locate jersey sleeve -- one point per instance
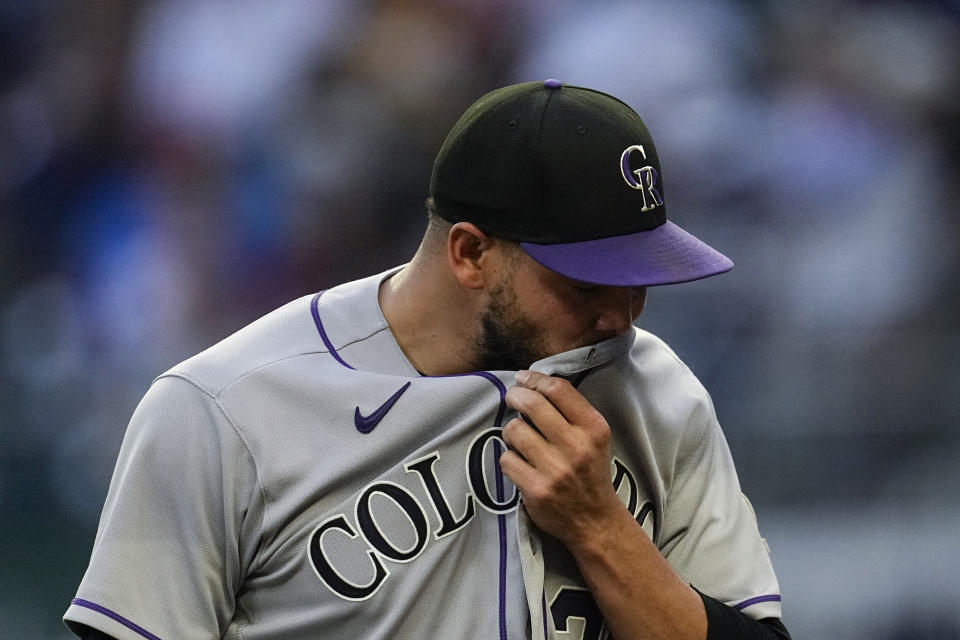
(710, 534)
(173, 541)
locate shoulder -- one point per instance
(660, 375)
(283, 333)
(312, 325)
(649, 389)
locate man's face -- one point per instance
(533, 313)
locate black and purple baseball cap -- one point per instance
(573, 176)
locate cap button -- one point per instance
(552, 84)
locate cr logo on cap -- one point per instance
(647, 176)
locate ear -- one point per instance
(468, 253)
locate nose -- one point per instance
(619, 307)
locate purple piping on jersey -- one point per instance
(497, 383)
(543, 608)
(115, 616)
(502, 523)
(752, 601)
(501, 519)
(497, 421)
(323, 333)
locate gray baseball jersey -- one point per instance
(300, 479)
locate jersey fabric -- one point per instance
(300, 479)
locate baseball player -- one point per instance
(477, 444)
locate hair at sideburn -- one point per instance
(438, 229)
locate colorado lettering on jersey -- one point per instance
(382, 544)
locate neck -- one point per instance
(431, 317)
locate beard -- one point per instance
(508, 340)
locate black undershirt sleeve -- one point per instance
(94, 634)
(726, 623)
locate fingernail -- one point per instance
(522, 376)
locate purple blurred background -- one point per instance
(171, 170)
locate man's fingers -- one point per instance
(569, 402)
(518, 470)
(526, 441)
(537, 410)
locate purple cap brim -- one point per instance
(664, 255)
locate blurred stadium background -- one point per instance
(171, 170)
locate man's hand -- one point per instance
(561, 466)
(562, 469)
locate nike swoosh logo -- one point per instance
(366, 424)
